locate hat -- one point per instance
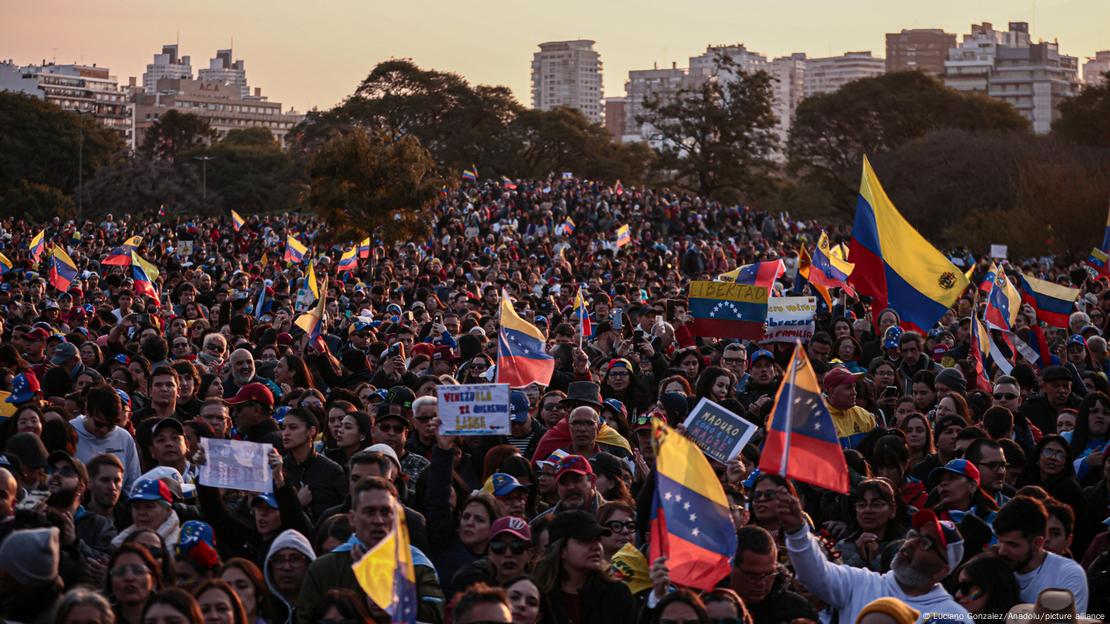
(402, 396)
(121, 359)
(607, 464)
(1055, 373)
(948, 421)
(197, 544)
(1077, 339)
(25, 386)
(29, 448)
(946, 537)
(123, 396)
(952, 378)
(63, 352)
(616, 406)
(170, 422)
(761, 353)
(269, 499)
(31, 556)
(386, 450)
(76, 464)
(1052, 604)
(840, 376)
(513, 526)
(518, 407)
(573, 464)
(960, 467)
(893, 608)
(443, 353)
(51, 305)
(505, 484)
(618, 363)
(151, 490)
(385, 410)
(576, 524)
(892, 336)
(253, 392)
(583, 393)
(171, 478)
(553, 459)
(37, 333)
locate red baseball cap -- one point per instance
(255, 392)
(573, 464)
(840, 376)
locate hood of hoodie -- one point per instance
(287, 539)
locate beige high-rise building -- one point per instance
(825, 75)
(86, 89)
(568, 73)
(1095, 68)
(644, 84)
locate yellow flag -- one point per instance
(387, 574)
(312, 280)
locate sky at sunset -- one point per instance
(313, 54)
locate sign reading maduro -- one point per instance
(728, 310)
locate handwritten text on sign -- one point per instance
(790, 319)
(474, 409)
(236, 465)
(719, 433)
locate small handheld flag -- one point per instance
(388, 575)
(237, 221)
(312, 322)
(37, 246)
(759, 274)
(521, 358)
(5, 264)
(801, 440)
(348, 262)
(583, 316)
(507, 183)
(312, 280)
(364, 248)
(624, 236)
(566, 228)
(121, 256)
(145, 275)
(294, 250)
(1054, 303)
(62, 269)
(471, 174)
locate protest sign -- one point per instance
(998, 252)
(790, 319)
(236, 465)
(719, 433)
(304, 300)
(473, 409)
(727, 310)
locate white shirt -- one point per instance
(1055, 573)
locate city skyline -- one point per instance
(317, 59)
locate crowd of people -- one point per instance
(965, 504)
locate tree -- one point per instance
(40, 142)
(35, 202)
(140, 187)
(832, 131)
(717, 138)
(249, 173)
(564, 140)
(364, 183)
(1086, 118)
(174, 132)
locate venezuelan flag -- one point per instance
(1099, 262)
(567, 227)
(387, 573)
(507, 183)
(38, 245)
(690, 520)
(294, 250)
(521, 358)
(1054, 303)
(583, 315)
(5, 264)
(237, 221)
(980, 351)
(987, 282)
(619, 188)
(1003, 303)
(312, 280)
(895, 265)
(312, 322)
(470, 174)
(1106, 234)
(145, 275)
(761, 274)
(121, 256)
(830, 270)
(728, 310)
(624, 236)
(364, 248)
(62, 269)
(805, 262)
(348, 262)
(801, 439)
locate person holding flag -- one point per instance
(37, 246)
(521, 357)
(294, 250)
(62, 270)
(237, 221)
(121, 256)
(585, 329)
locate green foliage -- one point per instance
(35, 202)
(718, 138)
(832, 131)
(138, 187)
(1086, 118)
(372, 183)
(564, 140)
(249, 173)
(39, 145)
(174, 132)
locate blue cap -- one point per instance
(267, 498)
(393, 308)
(518, 407)
(505, 484)
(123, 396)
(892, 336)
(762, 353)
(122, 359)
(1076, 339)
(616, 406)
(541, 320)
(151, 490)
(24, 388)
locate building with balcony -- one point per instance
(1095, 68)
(825, 75)
(225, 71)
(918, 49)
(166, 65)
(568, 73)
(87, 89)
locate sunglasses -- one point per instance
(969, 590)
(391, 428)
(764, 495)
(1004, 396)
(65, 471)
(517, 547)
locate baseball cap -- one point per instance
(25, 386)
(170, 422)
(37, 333)
(518, 407)
(573, 464)
(761, 353)
(576, 524)
(616, 406)
(63, 352)
(512, 525)
(256, 392)
(151, 490)
(389, 410)
(840, 376)
(78, 466)
(608, 464)
(553, 459)
(269, 499)
(401, 395)
(444, 353)
(893, 335)
(961, 467)
(1055, 373)
(946, 537)
(505, 484)
(1077, 339)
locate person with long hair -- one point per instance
(715, 384)
(986, 587)
(84, 606)
(291, 372)
(219, 603)
(132, 576)
(172, 606)
(953, 404)
(1090, 436)
(526, 601)
(343, 605)
(919, 437)
(681, 605)
(243, 576)
(573, 577)
(351, 436)
(877, 528)
(620, 519)
(1051, 466)
(156, 545)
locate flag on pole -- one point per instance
(121, 256)
(1054, 303)
(387, 572)
(237, 221)
(624, 236)
(759, 274)
(1106, 234)
(566, 228)
(1003, 303)
(690, 520)
(521, 358)
(470, 174)
(162, 210)
(980, 339)
(1098, 262)
(619, 188)
(294, 250)
(312, 322)
(364, 248)
(38, 245)
(583, 315)
(801, 439)
(62, 269)
(145, 275)
(312, 280)
(507, 183)
(263, 305)
(348, 262)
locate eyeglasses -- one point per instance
(1004, 396)
(1048, 453)
(583, 423)
(733, 360)
(424, 418)
(996, 466)
(617, 526)
(877, 504)
(517, 547)
(288, 561)
(764, 494)
(133, 570)
(925, 542)
(758, 577)
(65, 471)
(969, 590)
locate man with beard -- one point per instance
(931, 551)
(243, 372)
(67, 484)
(576, 484)
(1020, 526)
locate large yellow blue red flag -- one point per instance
(1053, 302)
(728, 310)
(387, 572)
(348, 262)
(121, 256)
(294, 250)
(801, 440)
(62, 269)
(521, 357)
(145, 275)
(1003, 303)
(895, 265)
(690, 520)
(758, 274)
(38, 245)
